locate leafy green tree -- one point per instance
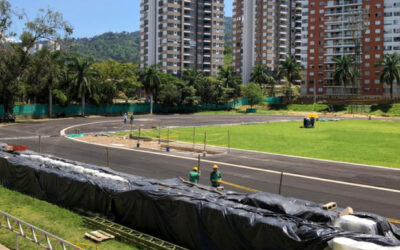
(192, 76)
(289, 69)
(116, 79)
(390, 70)
(151, 80)
(15, 57)
(43, 75)
(83, 76)
(5, 19)
(170, 94)
(264, 77)
(231, 82)
(254, 93)
(344, 73)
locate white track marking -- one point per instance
(254, 151)
(249, 168)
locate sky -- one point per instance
(91, 17)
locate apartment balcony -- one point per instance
(341, 12)
(338, 37)
(334, 4)
(344, 45)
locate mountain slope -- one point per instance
(122, 47)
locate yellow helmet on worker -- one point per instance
(195, 169)
(215, 167)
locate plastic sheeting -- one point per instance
(187, 216)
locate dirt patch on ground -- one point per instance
(120, 141)
(148, 143)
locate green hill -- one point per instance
(122, 47)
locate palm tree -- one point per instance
(390, 71)
(83, 75)
(271, 81)
(259, 74)
(191, 76)
(345, 71)
(290, 69)
(151, 80)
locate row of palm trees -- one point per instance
(289, 70)
(346, 72)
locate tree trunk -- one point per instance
(290, 92)
(151, 103)
(83, 105)
(391, 91)
(50, 102)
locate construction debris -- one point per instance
(99, 236)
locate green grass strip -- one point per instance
(53, 219)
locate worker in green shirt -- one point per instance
(215, 176)
(194, 175)
(132, 118)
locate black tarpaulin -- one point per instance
(173, 211)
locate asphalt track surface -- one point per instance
(364, 188)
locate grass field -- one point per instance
(55, 220)
(387, 110)
(359, 141)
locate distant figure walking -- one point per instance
(215, 177)
(132, 118)
(125, 118)
(194, 175)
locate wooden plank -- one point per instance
(94, 238)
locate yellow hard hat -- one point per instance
(215, 167)
(195, 168)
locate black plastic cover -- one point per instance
(187, 216)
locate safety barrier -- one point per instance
(195, 136)
(139, 108)
(175, 212)
(32, 233)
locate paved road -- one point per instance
(235, 167)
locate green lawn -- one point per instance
(359, 141)
(388, 110)
(55, 220)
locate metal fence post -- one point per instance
(205, 141)
(138, 140)
(198, 162)
(168, 148)
(159, 134)
(194, 136)
(280, 183)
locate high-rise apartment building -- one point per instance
(182, 34)
(365, 29)
(264, 32)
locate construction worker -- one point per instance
(132, 118)
(194, 175)
(215, 176)
(125, 118)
